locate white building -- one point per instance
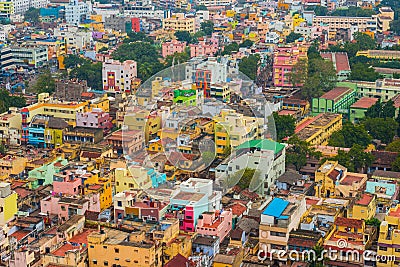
(117, 76)
(75, 38)
(215, 2)
(21, 6)
(77, 11)
(272, 38)
(265, 156)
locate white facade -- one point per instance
(21, 6)
(75, 39)
(117, 76)
(75, 11)
(215, 2)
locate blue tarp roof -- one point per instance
(276, 207)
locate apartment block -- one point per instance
(178, 22)
(118, 76)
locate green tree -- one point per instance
(32, 15)
(374, 222)
(138, 36)
(177, 58)
(318, 260)
(45, 83)
(381, 110)
(7, 101)
(183, 36)
(396, 164)
(242, 178)
(91, 72)
(284, 125)
(353, 12)
(350, 135)
(230, 48)
(207, 27)
(394, 146)
(201, 7)
(72, 61)
(362, 72)
(356, 159)
(293, 37)
(395, 26)
(319, 10)
(298, 75)
(246, 43)
(381, 128)
(298, 151)
(249, 65)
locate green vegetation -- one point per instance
(7, 101)
(356, 159)
(45, 83)
(374, 222)
(249, 65)
(230, 48)
(353, 12)
(207, 27)
(383, 129)
(183, 36)
(138, 36)
(177, 58)
(381, 110)
(293, 37)
(298, 151)
(284, 125)
(319, 10)
(349, 136)
(32, 15)
(246, 43)
(91, 72)
(362, 72)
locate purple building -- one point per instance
(97, 118)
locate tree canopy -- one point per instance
(293, 37)
(246, 43)
(383, 129)
(381, 110)
(362, 72)
(183, 36)
(394, 146)
(91, 72)
(349, 136)
(353, 12)
(298, 151)
(249, 65)
(356, 159)
(207, 27)
(45, 83)
(7, 101)
(284, 125)
(32, 15)
(230, 48)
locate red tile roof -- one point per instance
(348, 222)
(365, 199)
(78, 242)
(351, 179)
(336, 93)
(342, 62)
(365, 102)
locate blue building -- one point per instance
(208, 245)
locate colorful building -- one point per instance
(8, 203)
(43, 175)
(334, 180)
(358, 109)
(285, 58)
(364, 207)
(389, 238)
(96, 118)
(118, 76)
(337, 100)
(137, 177)
(317, 130)
(215, 223)
(172, 47)
(178, 22)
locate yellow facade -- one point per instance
(12, 165)
(364, 208)
(100, 45)
(8, 205)
(178, 22)
(143, 120)
(296, 21)
(134, 178)
(56, 137)
(103, 103)
(7, 7)
(389, 237)
(95, 184)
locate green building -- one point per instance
(337, 100)
(185, 97)
(43, 175)
(358, 109)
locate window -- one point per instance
(383, 248)
(119, 203)
(105, 263)
(94, 261)
(116, 250)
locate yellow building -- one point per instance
(364, 208)
(12, 165)
(96, 185)
(389, 238)
(317, 130)
(8, 203)
(135, 178)
(145, 120)
(178, 22)
(232, 129)
(6, 7)
(52, 108)
(101, 102)
(296, 21)
(333, 180)
(385, 55)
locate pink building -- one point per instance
(63, 207)
(97, 118)
(215, 223)
(172, 47)
(204, 48)
(117, 76)
(285, 58)
(66, 183)
(128, 141)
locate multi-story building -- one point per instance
(358, 109)
(285, 58)
(337, 100)
(334, 180)
(216, 3)
(385, 190)
(127, 205)
(70, 90)
(7, 7)
(384, 89)
(137, 177)
(126, 141)
(364, 207)
(382, 55)
(232, 129)
(340, 62)
(77, 11)
(215, 223)
(384, 18)
(265, 156)
(8, 203)
(204, 48)
(29, 56)
(117, 76)
(194, 197)
(46, 131)
(43, 175)
(96, 118)
(337, 23)
(178, 22)
(172, 47)
(21, 6)
(278, 219)
(389, 238)
(10, 127)
(317, 130)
